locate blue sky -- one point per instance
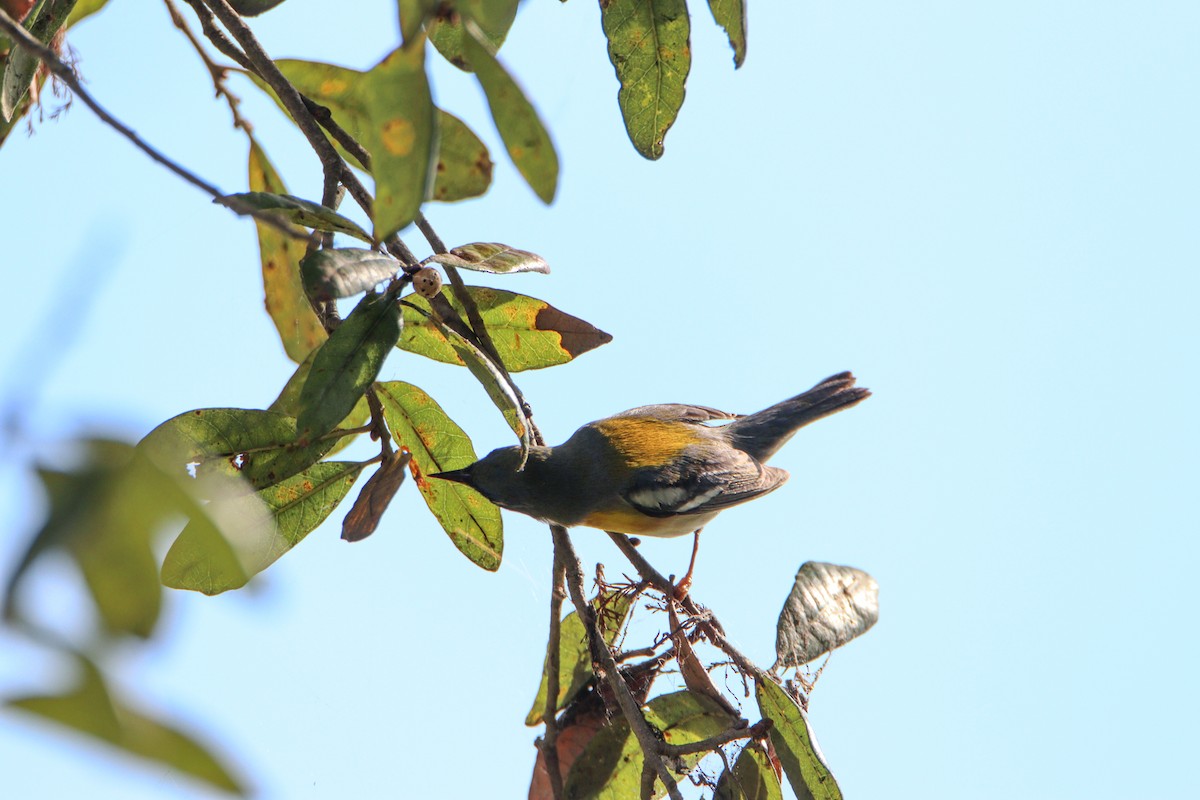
(989, 213)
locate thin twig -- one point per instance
(711, 626)
(21, 38)
(216, 71)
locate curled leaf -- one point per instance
(374, 498)
(491, 257)
(345, 272)
(296, 209)
(828, 606)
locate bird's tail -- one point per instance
(763, 433)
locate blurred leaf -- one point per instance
(752, 778)
(298, 210)
(528, 333)
(344, 272)
(574, 656)
(222, 445)
(437, 444)
(257, 529)
(731, 16)
(399, 133)
(252, 8)
(795, 744)
(611, 764)
(413, 14)
(91, 709)
(347, 364)
(828, 606)
(299, 328)
(517, 121)
(648, 46)
(464, 167)
(374, 498)
(84, 9)
(491, 257)
(105, 513)
(446, 30)
(20, 66)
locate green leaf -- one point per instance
(829, 605)
(347, 364)
(752, 777)
(413, 14)
(344, 272)
(574, 656)
(437, 444)
(298, 210)
(288, 403)
(528, 333)
(491, 257)
(517, 121)
(92, 709)
(648, 46)
(299, 328)
(464, 167)
(731, 16)
(493, 381)
(223, 445)
(795, 744)
(257, 529)
(610, 767)
(446, 30)
(399, 133)
(20, 66)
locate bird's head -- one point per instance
(496, 477)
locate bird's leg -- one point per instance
(684, 586)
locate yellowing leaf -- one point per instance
(528, 333)
(437, 444)
(299, 328)
(398, 131)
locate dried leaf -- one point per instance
(491, 257)
(374, 498)
(828, 606)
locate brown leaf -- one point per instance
(373, 500)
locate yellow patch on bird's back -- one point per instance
(644, 442)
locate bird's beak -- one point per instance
(462, 476)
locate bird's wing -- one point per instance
(678, 412)
(690, 486)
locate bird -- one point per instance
(659, 470)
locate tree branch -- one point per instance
(553, 660)
(606, 666)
